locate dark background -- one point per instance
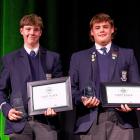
(72, 24)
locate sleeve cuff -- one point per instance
(5, 107)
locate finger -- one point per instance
(84, 99)
(87, 101)
(98, 102)
(48, 112)
(11, 114)
(13, 117)
(122, 107)
(45, 113)
(127, 108)
(53, 112)
(17, 115)
(95, 102)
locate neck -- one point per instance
(32, 46)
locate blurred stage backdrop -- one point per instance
(66, 31)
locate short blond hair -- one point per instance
(31, 19)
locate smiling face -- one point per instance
(102, 29)
(102, 32)
(31, 29)
(31, 35)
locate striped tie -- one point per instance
(104, 50)
(32, 54)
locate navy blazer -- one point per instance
(84, 70)
(16, 72)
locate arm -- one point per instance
(57, 68)
(5, 91)
(74, 75)
(133, 74)
(5, 87)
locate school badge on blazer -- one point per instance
(114, 55)
(48, 76)
(124, 75)
(93, 56)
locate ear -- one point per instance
(21, 29)
(112, 30)
(40, 32)
(91, 32)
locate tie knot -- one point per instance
(32, 54)
(104, 50)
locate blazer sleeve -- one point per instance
(57, 67)
(74, 75)
(4, 86)
(133, 69)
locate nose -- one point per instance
(101, 29)
(32, 31)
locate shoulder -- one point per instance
(81, 54)
(10, 56)
(49, 55)
(126, 50)
(48, 52)
(52, 53)
(123, 50)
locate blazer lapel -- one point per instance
(113, 61)
(94, 69)
(94, 66)
(25, 62)
(42, 63)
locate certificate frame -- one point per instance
(115, 94)
(44, 94)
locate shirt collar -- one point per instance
(98, 47)
(28, 50)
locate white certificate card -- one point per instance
(53, 95)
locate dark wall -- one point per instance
(68, 24)
(73, 24)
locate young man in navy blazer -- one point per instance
(18, 68)
(103, 62)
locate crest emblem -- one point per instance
(49, 76)
(114, 55)
(93, 56)
(124, 76)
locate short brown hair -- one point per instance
(101, 17)
(31, 19)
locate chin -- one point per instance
(103, 43)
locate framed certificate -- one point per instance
(54, 93)
(114, 94)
